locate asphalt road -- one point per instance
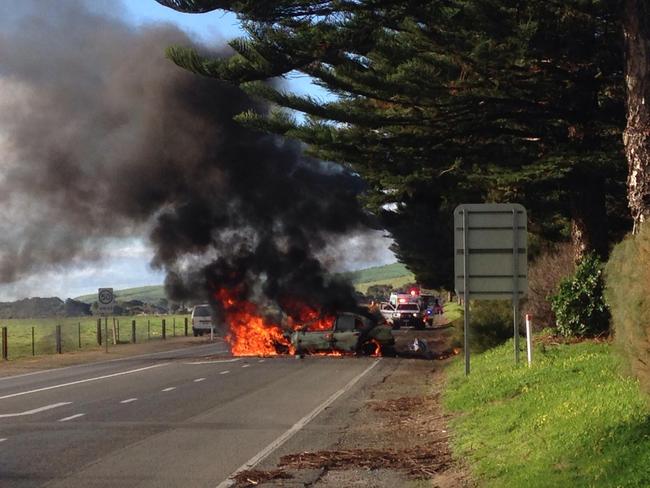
(182, 418)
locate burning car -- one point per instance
(347, 333)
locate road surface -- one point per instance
(186, 418)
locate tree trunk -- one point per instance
(588, 218)
(636, 138)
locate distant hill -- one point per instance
(394, 274)
(33, 308)
(379, 273)
(147, 294)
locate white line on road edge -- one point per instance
(99, 363)
(225, 372)
(129, 400)
(169, 388)
(36, 410)
(72, 417)
(83, 381)
(216, 361)
(198, 380)
(264, 453)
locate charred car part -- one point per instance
(350, 333)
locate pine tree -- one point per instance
(441, 103)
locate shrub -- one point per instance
(579, 305)
(544, 275)
(490, 325)
(627, 291)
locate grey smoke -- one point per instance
(102, 137)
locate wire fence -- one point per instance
(24, 337)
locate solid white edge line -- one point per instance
(99, 363)
(35, 410)
(129, 400)
(268, 450)
(72, 417)
(97, 378)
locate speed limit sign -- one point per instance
(105, 301)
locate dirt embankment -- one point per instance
(399, 438)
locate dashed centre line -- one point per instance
(3, 439)
(225, 372)
(246, 366)
(129, 400)
(169, 388)
(198, 380)
(261, 360)
(72, 417)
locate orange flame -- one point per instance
(251, 334)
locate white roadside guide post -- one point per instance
(105, 304)
(490, 259)
(529, 338)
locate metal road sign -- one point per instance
(490, 258)
(105, 301)
(496, 263)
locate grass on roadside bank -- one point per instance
(570, 420)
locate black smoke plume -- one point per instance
(102, 137)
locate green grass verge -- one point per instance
(19, 332)
(570, 420)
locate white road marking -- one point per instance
(129, 400)
(36, 410)
(3, 439)
(99, 363)
(246, 366)
(97, 378)
(268, 450)
(72, 417)
(216, 361)
(198, 380)
(261, 360)
(169, 388)
(225, 372)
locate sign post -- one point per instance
(105, 304)
(490, 263)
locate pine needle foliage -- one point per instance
(445, 102)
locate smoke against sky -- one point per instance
(102, 139)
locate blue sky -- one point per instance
(126, 262)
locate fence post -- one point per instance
(5, 349)
(148, 329)
(99, 331)
(133, 331)
(185, 326)
(174, 325)
(33, 348)
(118, 329)
(58, 339)
(164, 332)
(79, 333)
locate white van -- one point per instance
(201, 319)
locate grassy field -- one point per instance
(570, 420)
(149, 294)
(82, 330)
